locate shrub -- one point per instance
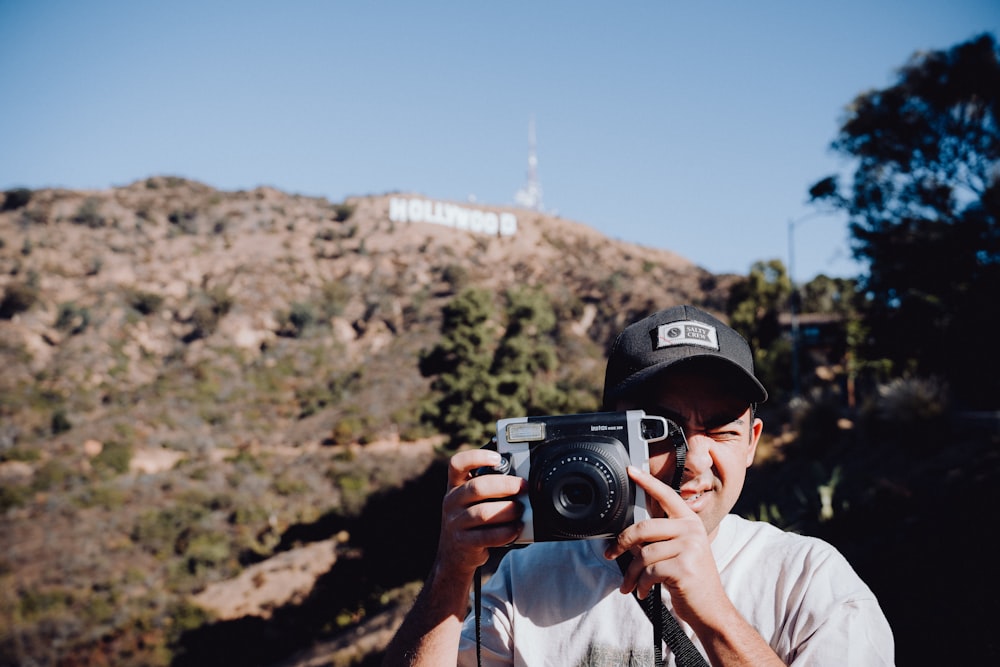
(185, 220)
(103, 496)
(457, 276)
(206, 551)
(146, 303)
(15, 198)
(115, 456)
(72, 318)
(333, 298)
(60, 422)
(27, 454)
(17, 298)
(908, 410)
(166, 532)
(343, 212)
(297, 320)
(89, 214)
(211, 307)
(354, 492)
(13, 495)
(347, 430)
(817, 424)
(51, 475)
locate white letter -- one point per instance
(490, 223)
(438, 214)
(397, 210)
(461, 218)
(416, 210)
(476, 221)
(508, 224)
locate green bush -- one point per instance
(103, 496)
(167, 531)
(354, 492)
(89, 214)
(347, 430)
(909, 410)
(185, 616)
(211, 306)
(52, 475)
(35, 604)
(185, 220)
(295, 322)
(205, 552)
(115, 456)
(15, 198)
(13, 495)
(343, 212)
(60, 422)
(817, 424)
(146, 303)
(20, 454)
(71, 318)
(17, 298)
(333, 298)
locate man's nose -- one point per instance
(699, 455)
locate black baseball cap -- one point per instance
(678, 335)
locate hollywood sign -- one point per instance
(450, 215)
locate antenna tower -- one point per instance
(530, 196)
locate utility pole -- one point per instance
(794, 300)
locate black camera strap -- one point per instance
(665, 626)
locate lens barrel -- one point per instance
(580, 488)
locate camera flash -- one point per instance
(526, 432)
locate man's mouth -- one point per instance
(692, 498)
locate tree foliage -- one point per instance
(487, 365)
(525, 359)
(924, 203)
(460, 364)
(824, 294)
(755, 305)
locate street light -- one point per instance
(796, 390)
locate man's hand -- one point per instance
(477, 512)
(674, 551)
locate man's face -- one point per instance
(721, 434)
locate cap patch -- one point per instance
(686, 332)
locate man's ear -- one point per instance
(756, 428)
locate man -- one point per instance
(745, 592)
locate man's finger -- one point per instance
(463, 463)
(666, 497)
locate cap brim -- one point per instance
(751, 386)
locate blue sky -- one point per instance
(696, 127)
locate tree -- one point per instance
(824, 294)
(526, 358)
(483, 372)
(754, 308)
(924, 203)
(460, 364)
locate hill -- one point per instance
(197, 383)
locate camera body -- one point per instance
(575, 465)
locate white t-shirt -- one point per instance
(558, 604)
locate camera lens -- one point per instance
(580, 489)
(576, 497)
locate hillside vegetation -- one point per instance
(214, 444)
(197, 383)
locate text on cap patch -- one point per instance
(686, 332)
